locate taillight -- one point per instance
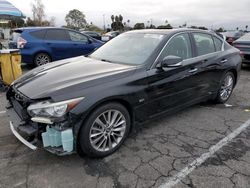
(21, 42)
(241, 54)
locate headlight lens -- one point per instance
(49, 109)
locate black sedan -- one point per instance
(90, 104)
(93, 34)
(243, 44)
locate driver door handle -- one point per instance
(223, 61)
(193, 70)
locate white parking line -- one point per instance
(197, 162)
(2, 112)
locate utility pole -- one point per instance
(104, 24)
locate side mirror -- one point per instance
(90, 40)
(171, 61)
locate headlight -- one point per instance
(49, 109)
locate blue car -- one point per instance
(41, 45)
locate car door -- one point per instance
(172, 87)
(58, 43)
(81, 43)
(211, 57)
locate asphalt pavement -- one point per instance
(158, 153)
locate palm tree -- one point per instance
(128, 22)
(112, 18)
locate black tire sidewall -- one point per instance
(39, 55)
(218, 98)
(84, 140)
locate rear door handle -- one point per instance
(223, 61)
(193, 70)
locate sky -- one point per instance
(211, 13)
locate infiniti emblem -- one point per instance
(18, 97)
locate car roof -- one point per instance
(245, 37)
(40, 28)
(167, 31)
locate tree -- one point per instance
(16, 22)
(52, 21)
(75, 19)
(112, 18)
(203, 28)
(117, 23)
(246, 27)
(38, 12)
(93, 27)
(168, 26)
(220, 30)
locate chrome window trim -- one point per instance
(187, 32)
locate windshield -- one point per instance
(128, 48)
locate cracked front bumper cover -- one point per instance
(21, 139)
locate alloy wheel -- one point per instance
(42, 59)
(107, 131)
(227, 87)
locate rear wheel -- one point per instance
(105, 130)
(226, 88)
(42, 59)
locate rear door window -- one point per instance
(218, 44)
(204, 43)
(38, 34)
(57, 34)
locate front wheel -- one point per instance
(105, 130)
(226, 88)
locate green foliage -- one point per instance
(220, 30)
(38, 12)
(16, 22)
(93, 27)
(168, 26)
(117, 24)
(75, 19)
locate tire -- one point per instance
(98, 138)
(41, 59)
(226, 88)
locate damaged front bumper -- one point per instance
(55, 140)
(20, 138)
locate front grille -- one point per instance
(19, 102)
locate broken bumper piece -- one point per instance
(21, 139)
(65, 146)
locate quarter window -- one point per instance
(204, 43)
(57, 34)
(76, 37)
(180, 46)
(218, 44)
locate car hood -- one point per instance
(69, 75)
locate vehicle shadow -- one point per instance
(245, 67)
